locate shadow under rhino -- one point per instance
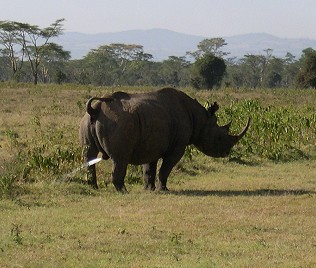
(257, 192)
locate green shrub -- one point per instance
(47, 156)
(275, 133)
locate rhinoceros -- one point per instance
(142, 128)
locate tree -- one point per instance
(99, 67)
(53, 56)
(32, 41)
(4, 70)
(143, 73)
(234, 77)
(9, 39)
(273, 73)
(307, 75)
(110, 64)
(210, 46)
(253, 66)
(175, 71)
(124, 54)
(208, 71)
(291, 69)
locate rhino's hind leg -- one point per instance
(89, 153)
(92, 177)
(167, 164)
(149, 173)
(118, 175)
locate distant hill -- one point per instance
(256, 43)
(162, 43)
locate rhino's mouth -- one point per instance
(222, 144)
(218, 154)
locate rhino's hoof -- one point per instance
(93, 185)
(121, 189)
(150, 187)
(163, 189)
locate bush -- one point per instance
(275, 133)
(47, 156)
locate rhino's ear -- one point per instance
(213, 108)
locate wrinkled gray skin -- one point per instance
(142, 128)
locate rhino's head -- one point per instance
(215, 140)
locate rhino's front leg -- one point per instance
(149, 173)
(118, 175)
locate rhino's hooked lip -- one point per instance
(216, 153)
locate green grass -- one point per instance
(253, 209)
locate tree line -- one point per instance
(27, 54)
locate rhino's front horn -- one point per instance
(238, 137)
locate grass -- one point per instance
(243, 211)
(235, 216)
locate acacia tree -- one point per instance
(110, 63)
(124, 54)
(33, 43)
(53, 54)
(9, 39)
(253, 66)
(209, 46)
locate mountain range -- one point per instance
(162, 43)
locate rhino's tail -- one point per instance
(94, 112)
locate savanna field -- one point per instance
(255, 208)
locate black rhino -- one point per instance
(142, 128)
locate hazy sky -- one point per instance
(209, 18)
